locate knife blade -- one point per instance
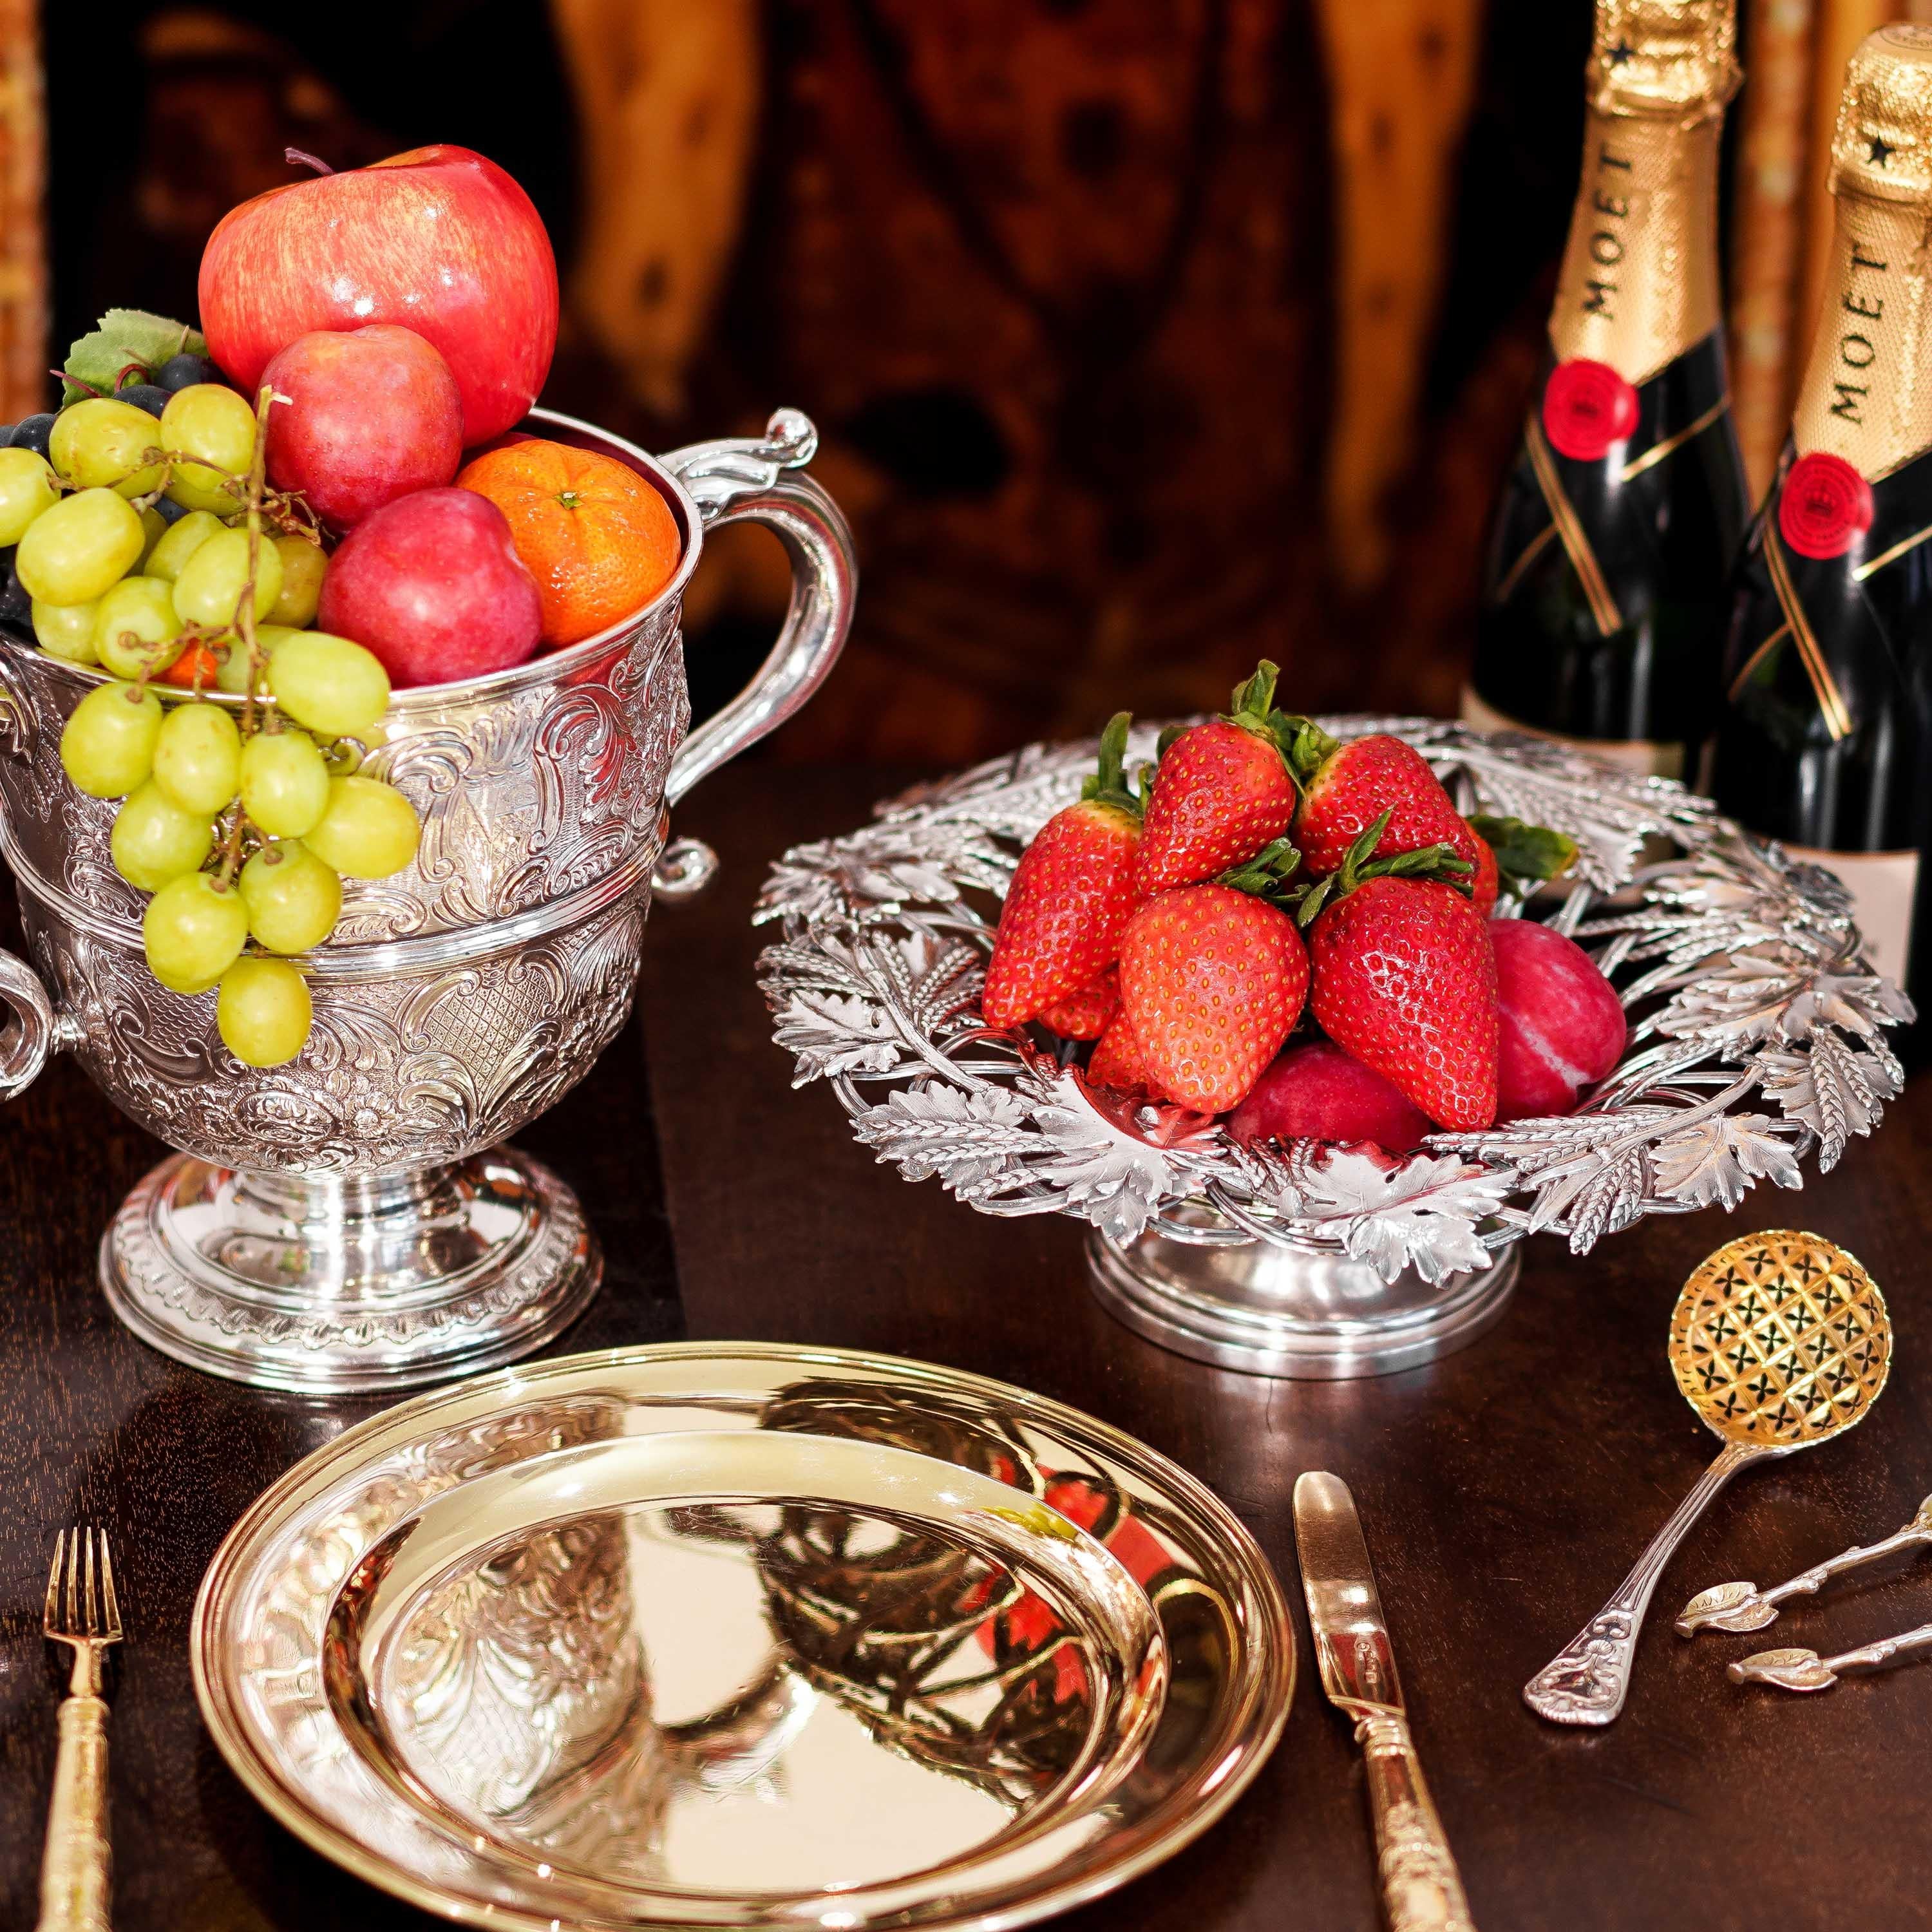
(1422, 1892)
(1352, 1649)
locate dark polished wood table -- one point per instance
(1504, 1490)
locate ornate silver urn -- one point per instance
(351, 1220)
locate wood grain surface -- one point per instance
(1504, 1490)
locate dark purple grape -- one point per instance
(34, 432)
(6, 434)
(16, 608)
(169, 511)
(147, 396)
(183, 371)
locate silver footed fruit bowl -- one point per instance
(1757, 1040)
(351, 1220)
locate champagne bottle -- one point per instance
(1823, 737)
(1604, 585)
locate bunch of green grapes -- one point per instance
(242, 824)
(132, 538)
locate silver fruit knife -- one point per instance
(1421, 1891)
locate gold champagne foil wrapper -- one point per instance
(1866, 393)
(1883, 145)
(1673, 60)
(1640, 281)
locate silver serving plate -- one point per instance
(724, 1634)
(1756, 1039)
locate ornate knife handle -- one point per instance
(1587, 1682)
(74, 1872)
(1422, 1891)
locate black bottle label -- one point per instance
(1820, 744)
(1820, 741)
(1604, 586)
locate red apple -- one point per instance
(1317, 1092)
(372, 415)
(433, 586)
(1562, 1026)
(439, 240)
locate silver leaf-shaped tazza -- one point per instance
(1757, 1038)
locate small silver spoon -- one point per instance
(1743, 1606)
(1806, 1670)
(1779, 1341)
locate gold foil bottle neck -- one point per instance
(1883, 145)
(1671, 60)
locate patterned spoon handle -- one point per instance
(1587, 1681)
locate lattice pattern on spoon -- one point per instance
(1780, 1338)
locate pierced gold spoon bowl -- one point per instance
(1779, 1340)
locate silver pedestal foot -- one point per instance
(327, 1286)
(1270, 1311)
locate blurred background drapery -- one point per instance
(1146, 336)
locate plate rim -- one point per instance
(1272, 1636)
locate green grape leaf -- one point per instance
(94, 363)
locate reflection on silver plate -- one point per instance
(722, 1634)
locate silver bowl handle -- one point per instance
(745, 480)
(39, 1030)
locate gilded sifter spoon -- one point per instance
(1779, 1340)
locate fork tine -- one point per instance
(107, 1581)
(73, 1578)
(51, 1620)
(90, 1608)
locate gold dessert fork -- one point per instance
(83, 1612)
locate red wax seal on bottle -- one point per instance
(1824, 505)
(1587, 409)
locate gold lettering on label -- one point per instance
(1854, 403)
(1638, 282)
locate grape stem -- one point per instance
(286, 510)
(255, 705)
(244, 612)
(231, 846)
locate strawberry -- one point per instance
(1086, 1013)
(1212, 981)
(1346, 785)
(1071, 895)
(1484, 881)
(1117, 1060)
(1405, 980)
(1221, 793)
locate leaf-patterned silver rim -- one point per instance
(1756, 1034)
